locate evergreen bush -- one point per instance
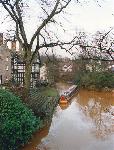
(17, 122)
(96, 79)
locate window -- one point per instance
(21, 68)
(0, 79)
(37, 68)
(6, 78)
(7, 58)
(7, 67)
(15, 66)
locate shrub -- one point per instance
(98, 80)
(17, 122)
(105, 79)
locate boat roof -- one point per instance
(69, 90)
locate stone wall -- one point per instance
(5, 64)
(1, 39)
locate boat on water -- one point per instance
(68, 94)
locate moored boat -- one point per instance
(67, 95)
(63, 100)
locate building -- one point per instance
(111, 68)
(99, 65)
(43, 73)
(5, 62)
(67, 68)
(1, 39)
(12, 67)
(18, 70)
(18, 66)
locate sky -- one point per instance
(85, 16)
(92, 17)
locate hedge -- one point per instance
(17, 122)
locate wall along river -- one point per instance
(87, 123)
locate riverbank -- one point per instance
(43, 101)
(99, 81)
(74, 121)
(93, 88)
(36, 139)
(39, 106)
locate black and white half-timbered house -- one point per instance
(18, 70)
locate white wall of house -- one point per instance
(89, 68)
(66, 68)
(43, 73)
(9, 45)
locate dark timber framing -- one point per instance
(18, 70)
(0, 79)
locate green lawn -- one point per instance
(49, 91)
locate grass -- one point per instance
(49, 91)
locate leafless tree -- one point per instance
(47, 12)
(99, 46)
(105, 43)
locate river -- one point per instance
(87, 123)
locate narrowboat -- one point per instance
(68, 94)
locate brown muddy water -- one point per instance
(87, 123)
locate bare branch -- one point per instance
(17, 35)
(16, 17)
(63, 7)
(20, 22)
(8, 10)
(44, 23)
(103, 37)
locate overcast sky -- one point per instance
(93, 17)
(89, 17)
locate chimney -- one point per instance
(13, 44)
(1, 39)
(18, 46)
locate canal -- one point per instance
(87, 123)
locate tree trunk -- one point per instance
(27, 78)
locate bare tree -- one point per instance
(105, 43)
(48, 10)
(99, 46)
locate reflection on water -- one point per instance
(100, 108)
(86, 124)
(36, 139)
